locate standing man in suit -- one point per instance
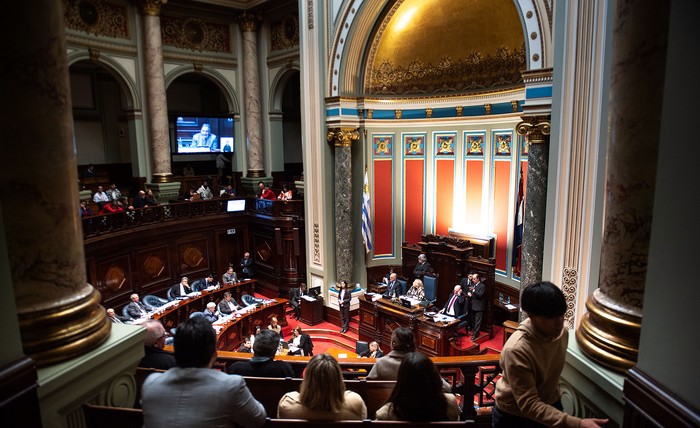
(422, 267)
(227, 305)
(344, 306)
(478, 303)
(246, 266)
(393, 287)
(455, 305)
(295, 299)
(135, 308)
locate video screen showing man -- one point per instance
(205, 138)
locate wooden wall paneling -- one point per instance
(193, 253)
(229, 248)
(153, 266)
(114, 278)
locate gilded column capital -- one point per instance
(536, 128)
(249, 21)
(343, 137)
(151, 7)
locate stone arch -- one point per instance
(120, 74)
(278, 86)
(213, 75)
(359, 17)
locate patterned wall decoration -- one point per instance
(445, 145)
(502, 144)
(413, 187)
(96, 17)
(475, 144)
(112, 277)
(383, 145)
(285, 33)
(195, 34)
(444, 181)
(154, 265)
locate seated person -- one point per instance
(150, 199)
(84, 210)
(295, 299)
(100, 197)
(169, 399)
(155, 357)
(274, 326)
(417, 291)
(227, 305)
(267, 193)
(322, 395)
(301, 343)
(90, 172)
(182, 289)
(136, 309)
(116, 319)
(111, 208)
(245, 347)
(393, 287)
(188, 171)
(210, 314)
(418, 373)
(285, 194)
(386, 278)
(229, 278)
(140, 200)
(372, 352)
(456, 304)
(263, 363)
(227, 192)
(204, 192)
(204, 283)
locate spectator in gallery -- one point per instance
(182, 289)
(84, 209)
(528, 392)
(322, 395)
(210, 313)
(188, 171)
(268, 194)
(422, 267)
(373, 351)
(100, 197)
(155, 357)
(417, 290)
(150, 199)
(259, 190)
(114, 193)
(111, 208)
(204, 191)
(418, 373)
(124, 203)
(135, 309)
(221, 161)
(227, 192)
(229, 277)
(344, 296)
(247, 266)
(285, 194)
(140, 200)
(175, 398)
(90, 172)
(227, 305)
(477, 304)
(204, 138)
(263, 363)
(116, 319)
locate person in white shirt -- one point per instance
(182, 289)
(204, 191)
(100, 197)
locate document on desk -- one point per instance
(443, 318)
(509, 306)
(308, 298)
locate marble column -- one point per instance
(251, 79)
(537, 129)
(342, 139)
(609, 331)
(58, 311)
(155, 90)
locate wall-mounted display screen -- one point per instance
(203, 134)
(235, 205)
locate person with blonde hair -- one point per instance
(274, 326)
(417, 291)
(322, 395)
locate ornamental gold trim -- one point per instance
(151, 7)
(249, 22)
(343, 137)
(609, 337)
(536, 128)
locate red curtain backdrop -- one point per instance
(414, 195)
(383, 200)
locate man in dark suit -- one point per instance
(372, 352)
(422, 267)
(204, 283)
(210, 313)
(455, 305)
(393, 287)
(295, 299)
(136, 309)
(182, 289)
(116, 319)
(228, 304)
(263, 363)
(477, 305)
(155, 357)
(246, 266)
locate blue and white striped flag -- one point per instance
(366, 216)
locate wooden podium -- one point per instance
(311, 311)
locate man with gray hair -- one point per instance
(210, 313)
(422, 267)
(262, 364)
(155, 357)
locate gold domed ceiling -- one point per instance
(446, 46)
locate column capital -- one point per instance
(151, 7)
(536, 128)
(249, 21)
(343, 137)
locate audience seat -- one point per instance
(153, 302)
(111, 417)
